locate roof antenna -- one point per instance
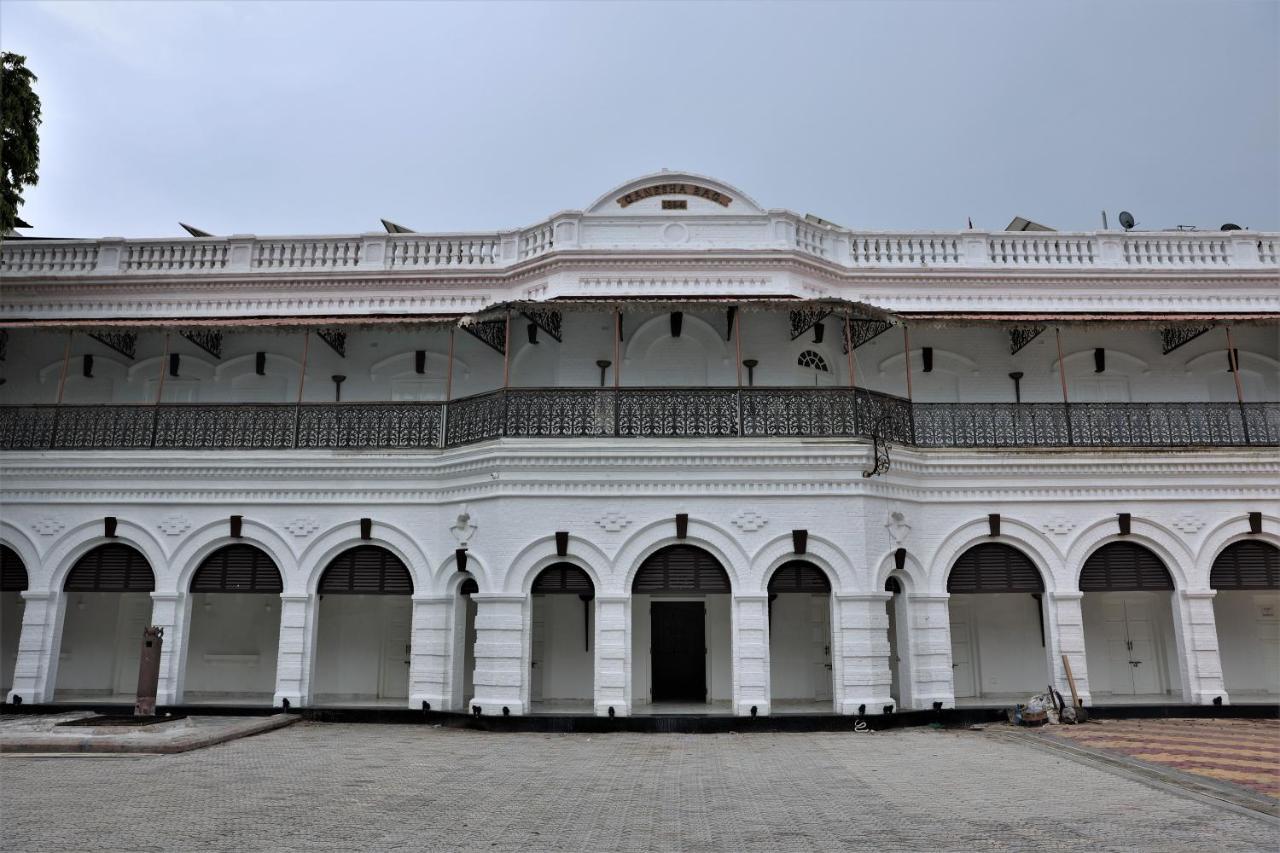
(1104, 220)
(1126, 220)
(194, 231)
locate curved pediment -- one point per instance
(674, 192)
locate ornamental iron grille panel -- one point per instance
(101, 427)
(27, 427)
(862, 329)
(335, 338)
(355, 425)
(547, 321)
(1172, 337)
(125, 343)
(475, 418)
(680, 568)
(13, 573)
(883, 415)
(803, 412)
(237, 568)
(994, 567)
(804, 319)
(556, 412)
(241, 427)
(1124, 567)
(490, 332)
(563, 579)
(1020, 336)
(111, 567)
(209, 340)
(366, 570)
(677, 412)
(799, 576)
(1250, 564)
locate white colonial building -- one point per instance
(672, 452)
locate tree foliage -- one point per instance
(19, 136)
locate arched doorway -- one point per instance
(362, 641)
(108, 604)
(1130, 650)
(13, 582)
(899, 650)
(998, 646)
(1246, 609)
(467, 619)
(234, 635)
(800, 639)
(562, 656)
(682, 652)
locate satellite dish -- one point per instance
(1230, 226)
(1126, 220)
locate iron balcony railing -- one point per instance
(638, 413)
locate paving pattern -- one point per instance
(1238, 752)
(316, 786)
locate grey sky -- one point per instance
(296, 118)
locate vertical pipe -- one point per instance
(737, 341)
(617, 333)
(1234, 360)
(906, 351)
(848, 343)
(506, 353)
(1062, 377)
(66, 360)
(164, 369)
(302, 373)
(448, 379)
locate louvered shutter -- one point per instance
(1248, 564)
(994, 567)
(112, 567)
(799, 576)
(681, 568)
(366, 570)
(1124, 567)
(13, 574)
(563, 578)
(237, 568)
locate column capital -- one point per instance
(294, 596)
(1067, 595)
(499, 597)
(432, 599)
(752, 597)
(865, 596)
(1198, 593)
(35, 595)
(166, 596)
(613, 599)
(928, 596)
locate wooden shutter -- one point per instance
(681, 568)
(366, 570)
(563, 578)
(994, 567)
(799, 576)
(237, 568)
(1248, 564)
(113, 567)
(13, 574)
(1124, 567)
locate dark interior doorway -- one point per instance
(679, 648)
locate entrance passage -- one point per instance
(235, 627)
(562, 660)
(362, 643)
(1246, 576)
(108, 603)
(998, 649)
(800, 674)
(681, 643)
(13, 581)
(1128, 625)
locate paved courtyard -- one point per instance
(317, 786)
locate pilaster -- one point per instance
(36, 671)
(293, 664)
(862, 648)
(1197, 632)
(500, 674)
(750, 654)
(171, 611)
(1065, 630)
(431, 644)
(613, 655)
(929, 630)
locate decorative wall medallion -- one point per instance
(898, 529)
(48, 525)
(463, 529)
(174, 524)
(1059, 526)
(748, 521)
(613, 521)
(304, 526)
(1188, 523)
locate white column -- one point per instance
(431, 643)
(171, 611)
(1197, 635)
(862, 653)
(1065, 629)
(750, 654)
(293, 661)
(36, 671)
(929, 629)
(500, 658)
(613, 655)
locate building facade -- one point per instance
(673, 452)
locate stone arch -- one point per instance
(1013, 532)
(1012, 567)
(540, 553)
(701, 534)
(210, 537)
(1171, 550)
(913, 573)
(824, 554)
(447, 577)
(77, 542)
(642, 349)
(313, 561)
(1227, 533)
(26, 550)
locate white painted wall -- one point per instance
(360, 640)
(11, 606)
(101, 643)
(566, 668)
(1007, 654)
(233, 644)
(1249, 640)
(796, 659)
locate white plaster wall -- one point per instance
(234, 641)
(1249, 640)
(1008, 654)
(794, 655)
(567, 665)
(101, 643)
(356, 636)
(11, 607)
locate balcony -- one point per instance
(688, 413)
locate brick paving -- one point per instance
(316, 786)
(1238, 752)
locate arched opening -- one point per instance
(1246, 609)
(362, 642)
(998, 645)
(800, 639)
(1130, 650)
(108, 604)
(682, 652)
(899, 640)
(234, 634)
(467, 619)
(562, 657)
(13, 582)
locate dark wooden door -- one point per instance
(679, 644)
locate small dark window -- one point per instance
(1124, 567)
(994, 567)
(13, 574)
(1249, 564)
(799, 576)
(813, 360)
(366, 570)
(680, 568)
(562, 578)
(237, 568)
(113, 567)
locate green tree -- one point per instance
(19, 136)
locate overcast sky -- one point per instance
(294, 118)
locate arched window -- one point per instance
(366, 570)
(812, 360)
(1122, 567)
(799, 576)
(561, 579)
(994, 567)
(237, 568)
(1248, 564)
(112, 567)
(681, 568)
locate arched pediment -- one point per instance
(703, 195)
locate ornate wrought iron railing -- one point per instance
(639, 413)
